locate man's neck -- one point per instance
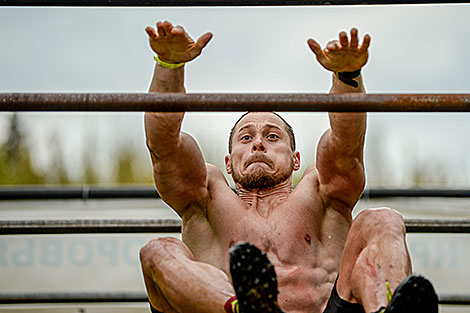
(265, 200)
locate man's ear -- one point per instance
(296, 161)
(228, 168)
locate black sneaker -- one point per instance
(414, 295)
(254, 279)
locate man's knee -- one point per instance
(379, 221)
(157, 249)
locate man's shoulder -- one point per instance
(309, 179)
(215, 178)
(214, 173)
(211, 168)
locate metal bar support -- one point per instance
(89, 226)
(89, 192)
(82, 193)
(71, 297)
(93, 297)
(195, 3)
(15, 227)
(235, 102)
(412, 193)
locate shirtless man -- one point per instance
(323, 260)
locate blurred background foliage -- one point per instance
(129, 165)
(17, 166)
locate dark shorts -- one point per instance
(338, 305)
(335, 305)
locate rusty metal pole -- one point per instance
(25, 227)
(192, 3)
(235, 102)
(104, 297)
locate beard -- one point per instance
(261, 180)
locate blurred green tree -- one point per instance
(15, 161)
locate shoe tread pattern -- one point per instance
(254, 279)
(414, 295)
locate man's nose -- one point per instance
(258, 146)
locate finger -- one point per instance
(316, 49)
(200, 44)
(333, 45)
(366, 42)
(177, 30)
(167, 27)
(354, 38)
(343, 39)
(204, 40)
(160, 29)
(151, 32)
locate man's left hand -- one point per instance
(342, 55)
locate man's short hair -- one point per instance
(287, 127)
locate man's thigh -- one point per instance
(153, 310)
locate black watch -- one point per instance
(348, 77)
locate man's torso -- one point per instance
(301, 236)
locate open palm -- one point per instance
(342, 55)
(173, 44)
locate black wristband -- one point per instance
(348, 77)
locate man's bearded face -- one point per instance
(261, 156)
(259, 178)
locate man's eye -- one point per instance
(246, 137)
(273, 136)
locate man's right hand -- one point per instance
(173, 44)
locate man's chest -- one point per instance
(286, 232)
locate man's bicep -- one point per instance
(341, 173)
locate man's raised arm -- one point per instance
(179, 169)
(340, 151)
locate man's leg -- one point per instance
(375, 253)
(176, 282)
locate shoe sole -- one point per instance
(414, 295)
(254, 279)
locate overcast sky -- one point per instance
(414, 49)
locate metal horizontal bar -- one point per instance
(16, 227)
(90, 192)
(415, 193)
(437, 226)
(23, 298)
(71, 297)
(82, 193)
(168, 102)
(19, 227)
(189, 3)
(454, 299)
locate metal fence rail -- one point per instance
(235, 102)
(81, 193)
(89, 192)
(96, 226)
(93, 297)
(71, 297)
(189, 3)
(15, 227)
(374, 193)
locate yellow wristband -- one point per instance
(167, 65)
